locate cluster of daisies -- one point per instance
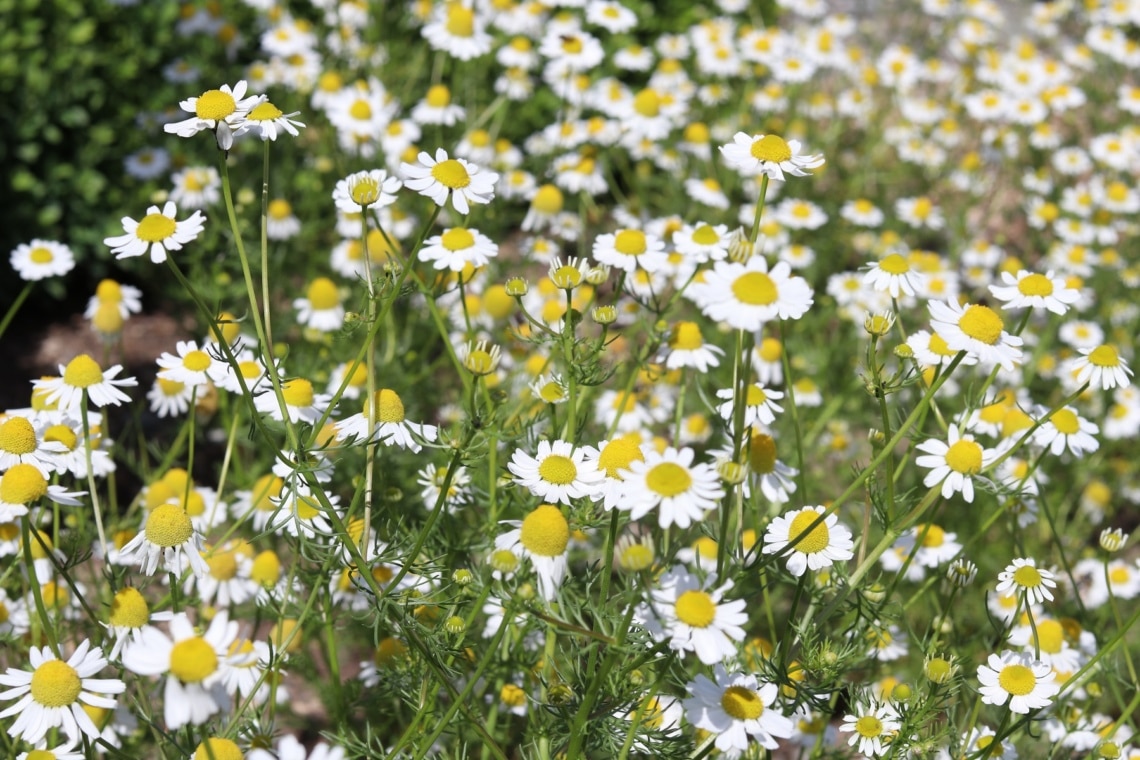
(1022, 371)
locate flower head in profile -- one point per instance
(167, 538)
(541, 537)
(221, 111)
(770, 155)
(83, 376)
(1102, 367)
(53, 693)
(976, 329)
(267, 120)
(158, 232)
(442, 177)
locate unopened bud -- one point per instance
(454, 625)
(517, 287)
(462, 577)
(1111, 540)
(961, 572)
(604, 315)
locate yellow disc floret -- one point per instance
(545, 532)
(55, 684)
(168, 525)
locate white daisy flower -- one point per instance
(302, 404)
(760, 405)
(127, 298)
(83, 376)
(770, 155)
(53, 693)
(669, 481)
(1016, 678)
(542, 537)
(22, 441)
(1065, 429)
(288, 748)
(628, 249)
(23, 485)
(738, 709)
(300, 513)
(977, 330)
(441, 177)
(814, 548)
(167, 541)
(456, 248)
(954, 463)
(1102, 367)
(893, 274)
(392, 428)
(702, 242)
(872, 727)
(372, 189)
(196, 187)
(41, 258)
(280, 221)
(158, 232)
(1022, 576)
(458, 30)
(267, 120)
(220, 110)
(193, 665)
(745, 296)
(687, 348)
(930, 349)
(192, 366)
(612, 458)
(169, 398)
(694, 617)
(1036, 291)
(557, 473)
(320, 309)
(252, 372)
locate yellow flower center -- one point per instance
(981, 323)
(55, 684)
(618, 453)
(686, 336)
(154, 228)
(322, 294)
(696, 608)
(545, 532)
(572, 45)
(938, 346)
(771, 350)
(755, 289)
(512, 695)
(215, 748)
(1018, 680)
(214, 104)
(636, 557)
(82, 372)
(193, 660)
(548, 200)
(1027, 576)
(438, 96)
(705, 235)
(457, 239)
(630, 242)
(365, 191)
(742, 703)
(1035, 285)
(223, 565)
(817, 539)
(298, 392)
(460, 20)
(360, 110)
(1050, 636)
(43, 754)
(1066, 422)
(922, 207)
(17, 436)
(129, 609)
(265, 112)
(109, 290)
(932, 535)
(40, 256)
(668, 479)
(755, 396)
(647, 103)
(389, 407)
(196, 361)
(168, 525)
(22, 484)
(965, 456)
(894, 264)
(771, 148)
(762, 453)
(280, 209)
(558, 469)
(1104, 356)
(107, 319)
(451, 174)
(869, 727)
(266, 568)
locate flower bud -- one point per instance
(1111, 540)
(517, 287)
(604, 315)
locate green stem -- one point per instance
(15, 307)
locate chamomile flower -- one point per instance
(702, 242)
(893, 274)
(1102, 367)
(456, 248)
(745, 296)
(220, 111)
(687, 348)
(191, 367)
(267, 121)
(169, 398)
(1065, 429)
(192, 664)
(977, 330)
(320, 309)
(557, 473)
(302, 404)
(816, 547)
(1022, 576)
(872, 727)
(41, 258)
(541, 537)
(760, 405)
(22, 441)
(158, 233)
(196, 187)
(954, 463)
(442, 177)
(694, 617)
(613, 458)
(738, 709)
(392, 428)
(126, 299)
(280, 221)
(373, 189)
(771, 155)
(1016, 678)
(53, 693)
(1037, 291)
(458, 30)
(167, 538)
(681, 491)
(627, 249)
(83, 377)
